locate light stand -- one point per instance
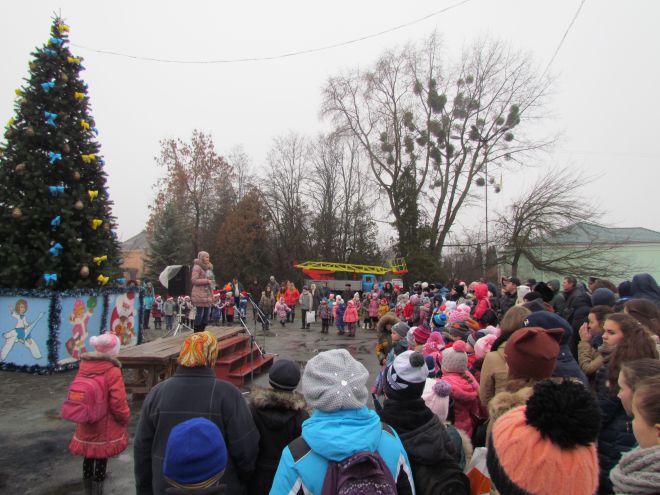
(180, 326)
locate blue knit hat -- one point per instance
(196, 455)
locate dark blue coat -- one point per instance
(616, 436)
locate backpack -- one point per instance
(87, 399)
(363, 473)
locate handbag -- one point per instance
(311, 317)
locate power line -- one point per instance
(280, 56)
(552, 59)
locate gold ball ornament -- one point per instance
(64, 78)
(78, 205)
(84, 271)
(76, 175)
(20, 167)
(16, 213)
(106, 226)
(29, 131)
(66, 148)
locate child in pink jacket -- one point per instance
(464, 386)
(351, 318)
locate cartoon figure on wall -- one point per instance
(21, 333)
(79, 317)
(122, 319)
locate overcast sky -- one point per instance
(605, 102)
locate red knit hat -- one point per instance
(547, 446)
(421, 334)
(532, 352)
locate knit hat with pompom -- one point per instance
(454, 359)
(406, 376)
(436, 396)
(547, 446)
(108, 343)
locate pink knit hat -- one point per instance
(108, 343)
(436, 396)
(483, 346)
(461, 313)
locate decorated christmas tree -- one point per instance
(56, 225)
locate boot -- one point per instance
(87, 485)
(97, 488)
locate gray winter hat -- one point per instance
(333, 381)
(402, 329)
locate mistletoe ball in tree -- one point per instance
(55, 213)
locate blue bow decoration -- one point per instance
(50, 52)
(56, 41)
(56, 189)
(95, 131)
(47, 86)
(53, 157)
(102, 162)
(121, 280)
(55, 222)
(50, 118)
(50, 277)
(55, 250)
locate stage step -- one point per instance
(258, 365)
(236, 360)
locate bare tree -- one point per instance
(196, 182)
(542, 225)
(243, 179)
(430, 131)
(288, 162)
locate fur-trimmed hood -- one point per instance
(388, 318)
(505, 401)
(100, 356)
(268, 398)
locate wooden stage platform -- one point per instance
(147, 364)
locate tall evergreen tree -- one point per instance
(55, 214)
(168, 245)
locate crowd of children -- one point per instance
(463, 403)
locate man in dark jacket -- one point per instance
(194, 391)
(431, 451)
(508, 298)
(576, 310)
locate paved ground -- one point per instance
(34, 459)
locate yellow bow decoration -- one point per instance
(92, 194)
(96, 223)
(62, 27)
(84, 124)
(78, 95)
(100, 259)
(73, 60)
(88, 158)
(18, 91)
(102, 280)
(10, 122)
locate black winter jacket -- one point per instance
(431, 452)
(191, 393)
(616, 436)
(278, 416)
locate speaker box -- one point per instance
(179, 285)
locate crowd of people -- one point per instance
(557, 391)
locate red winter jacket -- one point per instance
(483, 304)
(107, 437)
(291, 297)
(408, 311)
